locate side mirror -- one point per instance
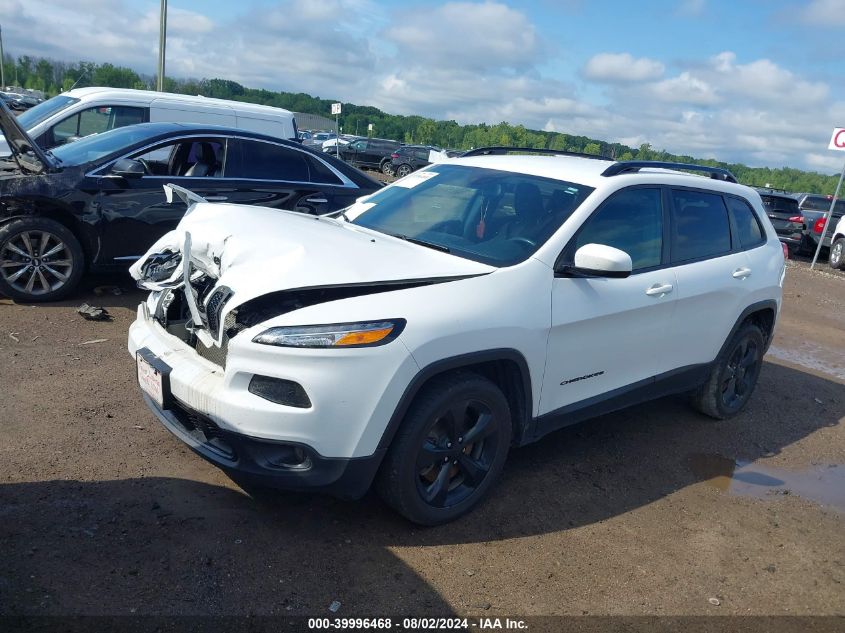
(128, 168)
(597, 260)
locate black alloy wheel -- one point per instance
(449, 451)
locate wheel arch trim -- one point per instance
(464, 361)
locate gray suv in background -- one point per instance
(814, 208)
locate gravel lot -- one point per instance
(653, 510)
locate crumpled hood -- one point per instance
(255, 251)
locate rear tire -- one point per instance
(837, 254)
(40, 260)
(403, 170)
(734, 375)
(449, 450)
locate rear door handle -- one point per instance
(742, 273)
(216, 198)
(316, 200)
(658, 290)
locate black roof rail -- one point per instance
(501, 150)
(633, 166)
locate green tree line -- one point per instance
(53, 77)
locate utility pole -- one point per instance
(2, 60)
(162, 36)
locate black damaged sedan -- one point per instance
(98, 203)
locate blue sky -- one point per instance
(749, 80)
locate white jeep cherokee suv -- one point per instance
(471, 307)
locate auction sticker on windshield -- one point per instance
(153, 377)
(415, 178)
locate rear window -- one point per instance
(822, 203)
(776, 203)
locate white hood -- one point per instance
(256, 250)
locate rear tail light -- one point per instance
(785, 250)
(797, 218)
(818, 227)
(394, 155)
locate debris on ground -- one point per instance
(13, 337)
(94, 313)
(714, 601)
(818, 401)
(94, 340)
(334, 606)
(108, 290)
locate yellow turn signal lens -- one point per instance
(363, 338)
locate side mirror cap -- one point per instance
(597, 260)
(127, 168)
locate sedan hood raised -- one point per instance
(255, 251)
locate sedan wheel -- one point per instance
(403, 170)
(40, 260)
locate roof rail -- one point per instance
(500, 150)
(633, 166)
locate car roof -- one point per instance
(588, 171)
(151, 95)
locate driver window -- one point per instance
(630, 220)
(196, 158)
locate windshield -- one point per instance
(96, 146)
(44, 110)
(490, 216)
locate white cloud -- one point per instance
(622, 67)
(466, 34)
(829, 13)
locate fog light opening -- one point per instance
(280, 391)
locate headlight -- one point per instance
(338, 335)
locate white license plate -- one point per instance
(150, 380)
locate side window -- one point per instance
(265, 161)
(320, 173)
(700, 226)
(96, 120)
(421, 154)
(630, 220)
(746, 224)
(196, 158)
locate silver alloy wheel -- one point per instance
(836, 254)
(403, 170)
(35, 262)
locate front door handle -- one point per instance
(316, 200)
(658, 290)
(216, 198)
(742, 273)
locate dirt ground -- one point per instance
(654, 510)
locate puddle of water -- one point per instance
(825, 360)
(823, 484)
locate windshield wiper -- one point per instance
(416, 240)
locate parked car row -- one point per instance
(18, 101)
(799, 219)
(98, 203)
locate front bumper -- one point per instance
(331, 446)
(282, 465)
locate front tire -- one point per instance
(836, 258)
(734, 375)
(387, 168)
(449, 450)
(40, 260)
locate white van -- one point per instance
(77, 113)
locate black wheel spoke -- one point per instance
(456, 420)
(482, 428)
(749, 358)
(436, 493)
(473, 470)
(430, 455)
